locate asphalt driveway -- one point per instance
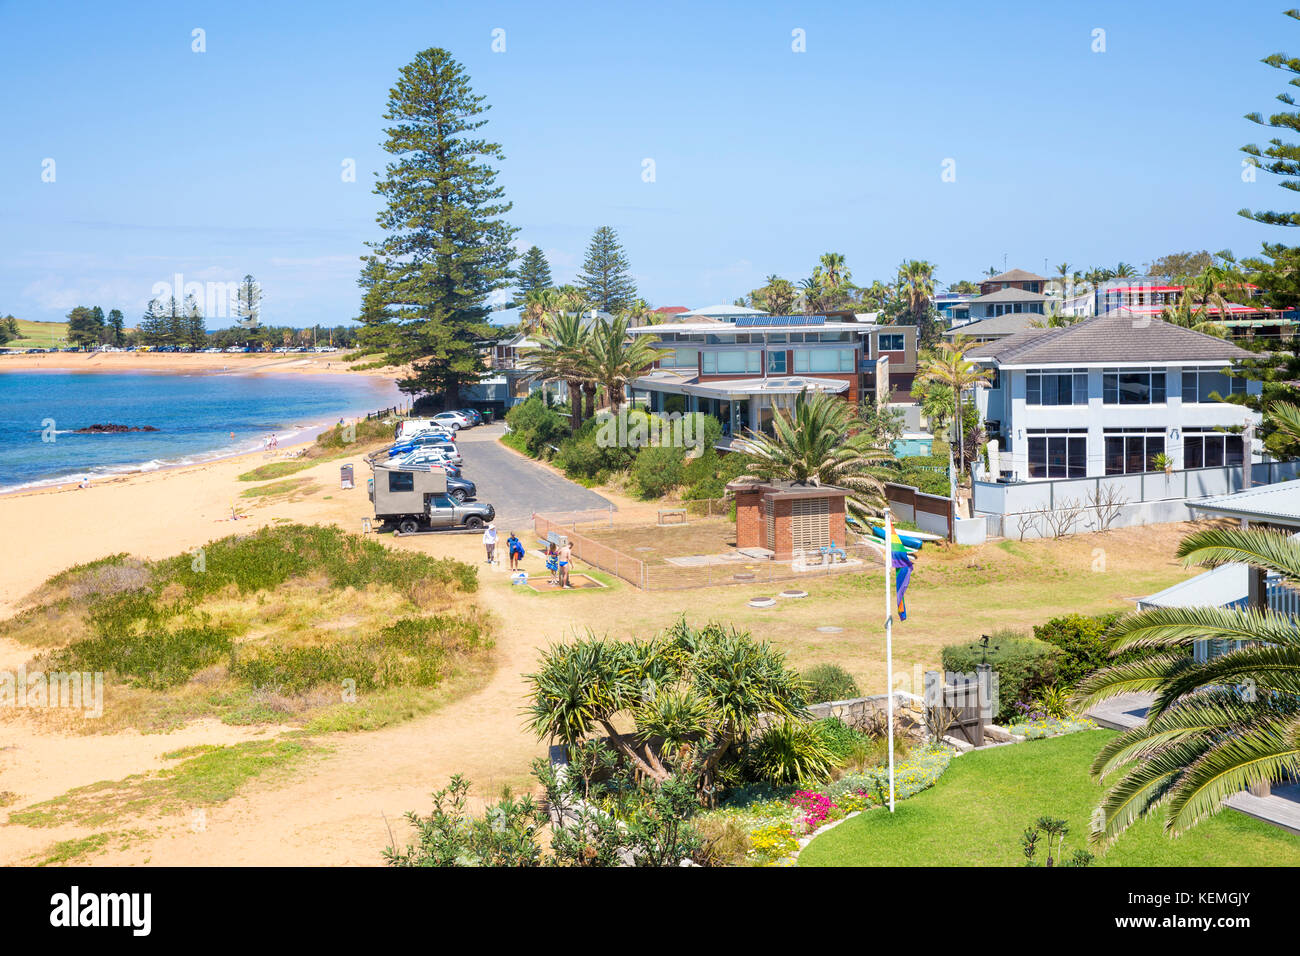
(515, 485)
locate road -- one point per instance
(515, 485)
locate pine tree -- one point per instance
(1277, 272)
(116, 327)
(605, 279)
(534, 273)
(98, 314)
(248, 306)
(426, 284)
(173, 325)
(153, 327)
(82, 328)
(194, 331)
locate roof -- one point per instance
(1015, 275)
(787, 489)
(993, 349)
(1274, 504)
(671, 309)
(1117, 339)
(687, 383)
(1224, 586)
(722, 310)
(1010, 295)
(1002, 325)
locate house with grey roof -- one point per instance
(999, 327)
(1111, 396)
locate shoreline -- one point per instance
(303, 434)
(217, 363)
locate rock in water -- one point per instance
(112, 429)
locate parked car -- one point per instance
(410, 427)
(433, 453)
(458, 419)
(473, 414)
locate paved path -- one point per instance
(515, 485)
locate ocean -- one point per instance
(198, 417)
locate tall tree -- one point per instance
(100, 324)
(248, 302)
(606, 279)
(116, 332)
(916, 285)
(426, 283)
(82, 327)
(534, 272)
(194, 331)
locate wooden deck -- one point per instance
(1122, 712)
(1281, 808)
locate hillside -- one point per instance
(39, 335)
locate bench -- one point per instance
(669, 516)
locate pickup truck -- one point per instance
(417, 499)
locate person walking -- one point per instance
(490, 542)
(514, 551)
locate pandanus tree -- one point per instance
(692, 697)
(813, 445)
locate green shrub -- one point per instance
(657, 470)
(366, 430)
(1082, 642)
(829, 682)
(538, 427)
(1025, 666)
(841, 739)
(793, 752)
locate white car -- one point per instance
(435, 455)
(454, 419)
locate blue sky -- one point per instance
(229, 161)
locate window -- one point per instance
(776, 362)
(1061, 454)
(1066, 387)
(722, 363)
(995, 379)
(892, 343)
(1206, 448)
(401, 481)
(1198, 384)
(823, 360)
(680, 358)
(1133, 386)
(1131, 452)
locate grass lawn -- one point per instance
(975, 814)
(39, 335)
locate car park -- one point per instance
(458, 419)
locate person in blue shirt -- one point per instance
(515, 550)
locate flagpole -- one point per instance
(889, 646)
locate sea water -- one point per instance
(198, 417)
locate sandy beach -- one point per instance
(308, 363)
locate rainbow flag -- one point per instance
(901, 562)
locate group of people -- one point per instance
(558, 559)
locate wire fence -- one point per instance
(710, 571)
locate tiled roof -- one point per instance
(1010, 295)
(1116, 338)
(998, 346)
(1008, 324)
(1015, 275)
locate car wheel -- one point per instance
(459, 495)
(408, 526)
(474, 522)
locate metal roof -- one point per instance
(1273, 504)
(1225, 586)
(722, 310)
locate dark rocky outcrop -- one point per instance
(112, 429)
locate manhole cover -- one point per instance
(829, 629)
(762, 602)
(743, 577)
(793, 593)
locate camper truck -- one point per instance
(417, 499)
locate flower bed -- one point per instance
(778, 819)
(1039, 727)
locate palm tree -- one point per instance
(615, 358)
(1123, 271)
(949, 367)
(1063, 270)
(812, 291)
(1190, 314)
(813, 446)
(916, 284)
(779, 295)
(563, 355)
(1216, 726)
(539, 303)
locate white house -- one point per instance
(1107, 395)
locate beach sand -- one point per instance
(307, 363)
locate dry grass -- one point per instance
(699, 536)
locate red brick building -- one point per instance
(785, 517)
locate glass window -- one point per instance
(1056, 388)
(1137, 387)
(1200, 384)
(1058, 456)
(1132, 453)
(680, 358)
(891, 343)
(776, 362)
(731, 362)
(401, 481)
